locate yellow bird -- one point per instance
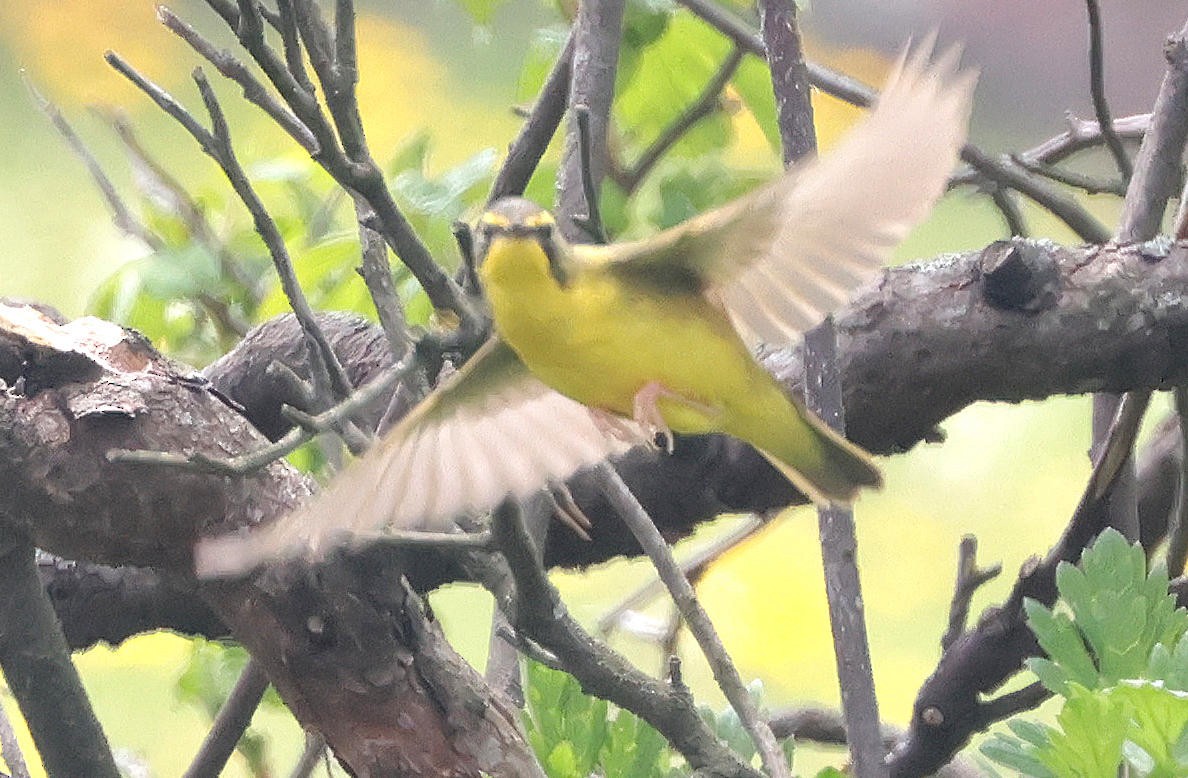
(598, 348)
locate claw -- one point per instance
(648, 415)
(568, 512)
(619, 428)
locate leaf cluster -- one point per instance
(1117, 649)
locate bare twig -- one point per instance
(828, 81)
(229, 725)
(232, 69)
(291, 441)
(347, 161)
(525, 152)
(313, 752)
(1081, 135)
(843, 586)
(377, 275)
(10, 749)
(590, 219)
(1158, 163)
(691, 567)
(597, 32)
(1101, 106)
(789, 76)
(121, 215)
(536, 610)
(698, 621)
(823, 396)
(1006, 203)
(36, 664)
(217, 145)
(1090, 184)
(1058, 203)
(704, 106)
(952, 704)
(970, 578)
(1177, 535)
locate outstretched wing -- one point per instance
(783, 257)
(489, 431)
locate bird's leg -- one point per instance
(647, 410)
(615, 426)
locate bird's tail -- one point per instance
(818, 461)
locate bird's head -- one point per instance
(522, 227)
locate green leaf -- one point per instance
(1031, 732)
(1088, 741)
(671, 74)
(1061, 640)
(442, 197)
(1158, 717)
(1016, 755)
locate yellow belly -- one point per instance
(600, 342)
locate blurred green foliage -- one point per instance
(575, 735)
(1117, 650)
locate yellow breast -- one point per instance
(600, 340)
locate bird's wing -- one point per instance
(489, 431)
(783, 257)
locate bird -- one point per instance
(599, 348)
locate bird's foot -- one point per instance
(647, 412)
(617, 427)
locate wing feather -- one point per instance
(838, 217)
(490, 431)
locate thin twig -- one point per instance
(700, 625)
(252, 461)
(706, 104)
(530, 144)
(1177, 536)
(970, 578)
(535, 608)
(10, 749)
(1062, 206)
(217, 145)
(313, 753)
(232, 69)
(191, 212)
(1006, 203)
(823, 397)
(1090, 184)
(784, 53)
(358, 173)
(1081, 135)
(696, 562)
(828, 81)
(597, 33)
(1101, 106)
(377, 275)
(232, 721)
(1156, 171)
(591, 219)
(843, 584)
(121, 214)
(268, 230)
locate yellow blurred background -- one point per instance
(1011, 475)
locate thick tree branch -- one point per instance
(76, 391)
